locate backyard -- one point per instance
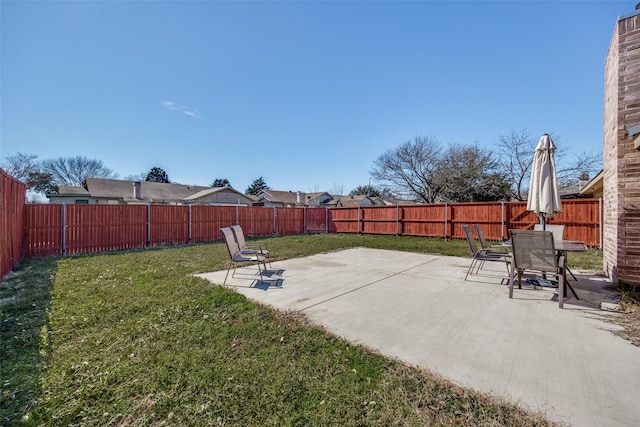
(132, 338)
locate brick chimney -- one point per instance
(136, 190)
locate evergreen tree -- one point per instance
(221, 182)
(365, 190)
(256, 187)
(157, 174)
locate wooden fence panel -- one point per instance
(424, 220)
(289, 221)
(344, 220)
(169, 225)
(42, 235)
(316, 221)
(12, 198)
(581, 218)
(256, 221)
(488, 215)
(102, 228)
(206, 222)
(379, 220)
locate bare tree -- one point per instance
(516, 156)
(516, 152)
(469, 173)
(411, 168)
(337, 189)
(73, 171)
(137, 177)
(27, 169)
(583, 164)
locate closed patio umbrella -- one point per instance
(543, 198)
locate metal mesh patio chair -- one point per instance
(479, 256)
(558, 234)
(489, 249)
(535, 251)
(556, 229)
(237, 258)
(246, 249)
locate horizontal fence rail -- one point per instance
(52, 229)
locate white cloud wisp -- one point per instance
(187, 111)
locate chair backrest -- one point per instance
(232, 245)
(470, 240)
(534, 250)
(237, 230)
(480, 233)
(557, 230)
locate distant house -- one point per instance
(595, 187)
(114, 191)
(361, 200)
(355, 201)
(290, 199)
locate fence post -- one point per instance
(64, 229)
(502, 221)
(237, 216)
(397, 219)
(358, 225)
(304, 221)
(446, 220)
(148, 224)
(326, 220)
(190, 235)
(275, 224)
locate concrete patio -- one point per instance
(418, 308)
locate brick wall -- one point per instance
(621, 227)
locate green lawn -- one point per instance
(133, 338)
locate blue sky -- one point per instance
(306, 94)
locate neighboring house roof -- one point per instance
(149, 192)
(291, 198)
(65, 190)
(595, 187)
(212, 190)
(354, 201)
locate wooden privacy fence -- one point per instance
(582, 219)
(12, 198)
(53, 229)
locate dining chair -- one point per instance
(237, 258)
(479, 257)
(245, 249)
(535, 251)
(488, 249)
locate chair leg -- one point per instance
(226, 275)
(562, 277)
(473, 261)
(512, 275)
